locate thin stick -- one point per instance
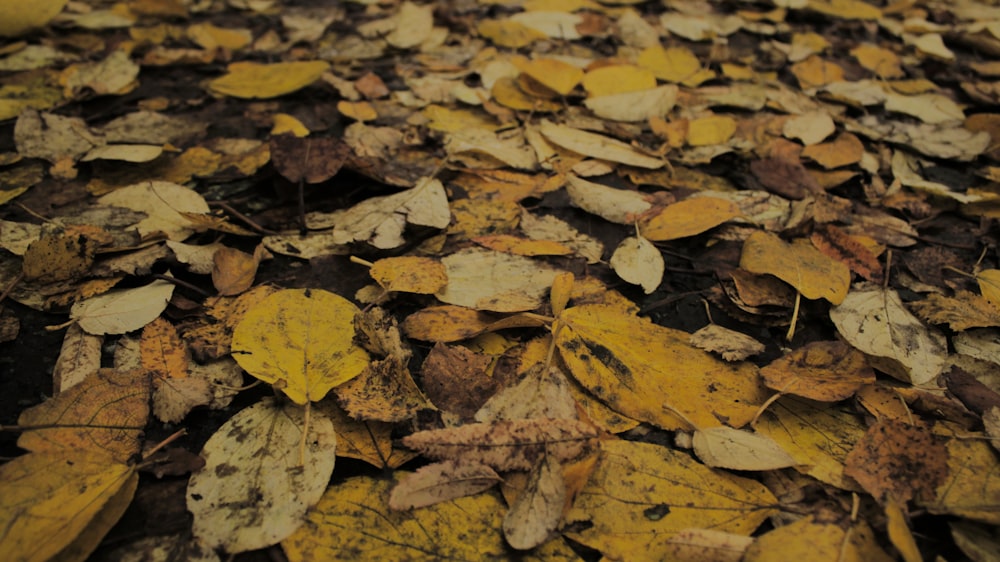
(247, 220)
(765, 406)
(10, 286)
(184, 284)
(795, 317)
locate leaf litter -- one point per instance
(485, 236)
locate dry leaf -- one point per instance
(828, 371)
(798, 264)
(380, 221)
(732, 345)
(812, 539)
(254, 490)
(410, 274)
(536, 512)
(597, 146)
(897, 461)
(494, 281)
(122, 310)
(442, 481)
(233, 271)
(301, 341)
(725, 447)
(687, 218)
(637, 261)
(246, 79)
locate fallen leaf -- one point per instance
(537, 510)
(309, 159)
(637, 261)
(300, 341)
(507, 444)
(122, 310)
(620, 206)
(897, 461)
(52, 504)
(816, 538)
(617, 79)
(22, 18)
(970, 489)
(963, 311)
(556, 75)
(79, 357)
(233, 271)
(380, 221)
(253, 80)
(440, 482)
(542, 393)
(410, 274)
(827, 371)
(732, 345)
(688, 217)
(618, 358)
(384, 391)
(597, 146)
(257, 485)
(874, 320)
(163, 203)
(725, 447)
(494, 281)
(799, 264)
(642, 494)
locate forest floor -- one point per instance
(539, 279)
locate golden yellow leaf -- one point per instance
(104, 413)
(688, 217)
(989, 285)
(844, 150)
(827, 371)
(619, 358)
(676, 64)
(446, 323)
(597, 146)
(48, 501)
(233, 271)
(384, 391)
(963, 311)
(816, 435)
(368, 441)
(714, 129)
(522, 246)
(300, 341)
(815, 72)
(359, 111)
(899, 533)
(507, 93)
(20, 17)
(812, 539)
(556, 75)
(508, 33)
(799, 264)
(846, 9)
(257, 483)
(562, 288)
(883, 62)
(252, 80)
(618, 79)
(353, 522)
(410, 274)
(641, 494)
(971, 489)
(210, 37)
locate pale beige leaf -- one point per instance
(79, 356)
(122, 310)
(542, 393)
(440, 482)
(875, 321)
(380, 221)
(637, 261)
(162, 202)
(725, 447)
(489, 280)
(597, 146)
(634, 106)
(730, 344)
(537, 510)
(616, 205)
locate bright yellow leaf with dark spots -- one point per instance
(301, 341)
(59, 502)
(649, 372)
(688, 217)
(353, 522)
(972, 489)
(410, 274)
(800, 264)
(252, 80)
(641, 494)
(618, 79)
(556, 75)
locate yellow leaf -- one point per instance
(554, 74)
(410, 274)
(725, 447)
(508, 33)
(252, 80)
(675, 64)
(618, 79)
(20, 17)
(48, 500)
(301, 341)
(815, 72)
(809, 539)
(353, 522)
(597, 146)
(715, 129)
(368, 441)
(105, 413)
(641, 494)
(963, 311)
(562, 287)
(688, 217)
(817, 436)
(210, 37)
(620, 357)
(971, 489)
(846, 9)
(899, 532)
(989, 284)
(634, 106)
(507, 93)
(801, 265)
(883, 62)
(254, 490)
(357, 110)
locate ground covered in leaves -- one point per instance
(539, 280)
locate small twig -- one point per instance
(245, 219)
(10, 286)
(184, 284)
(795, 317)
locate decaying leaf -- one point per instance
(799, 264)
(732, 345)
(875, 321)
(897, 462)
(827, 371)
(301, 341)
(441, 482)
(636, 260)
(725, 447)
(688, 217)
(247, 79)
(508, 444)
(495, 281)
(380, 221)
(536, 512)
(809, 538)
(410, 274)
(122, 310)
(255, 487)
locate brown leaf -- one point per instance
(897, 461)
(384, 391)
(536, 512)
(786, 177)
(963, 311)
(233, 271)
(840, 246)
(58, 258)
(509, 444)
(828, 371)
(309, 159)
(455, 379)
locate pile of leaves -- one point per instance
(625, 279)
